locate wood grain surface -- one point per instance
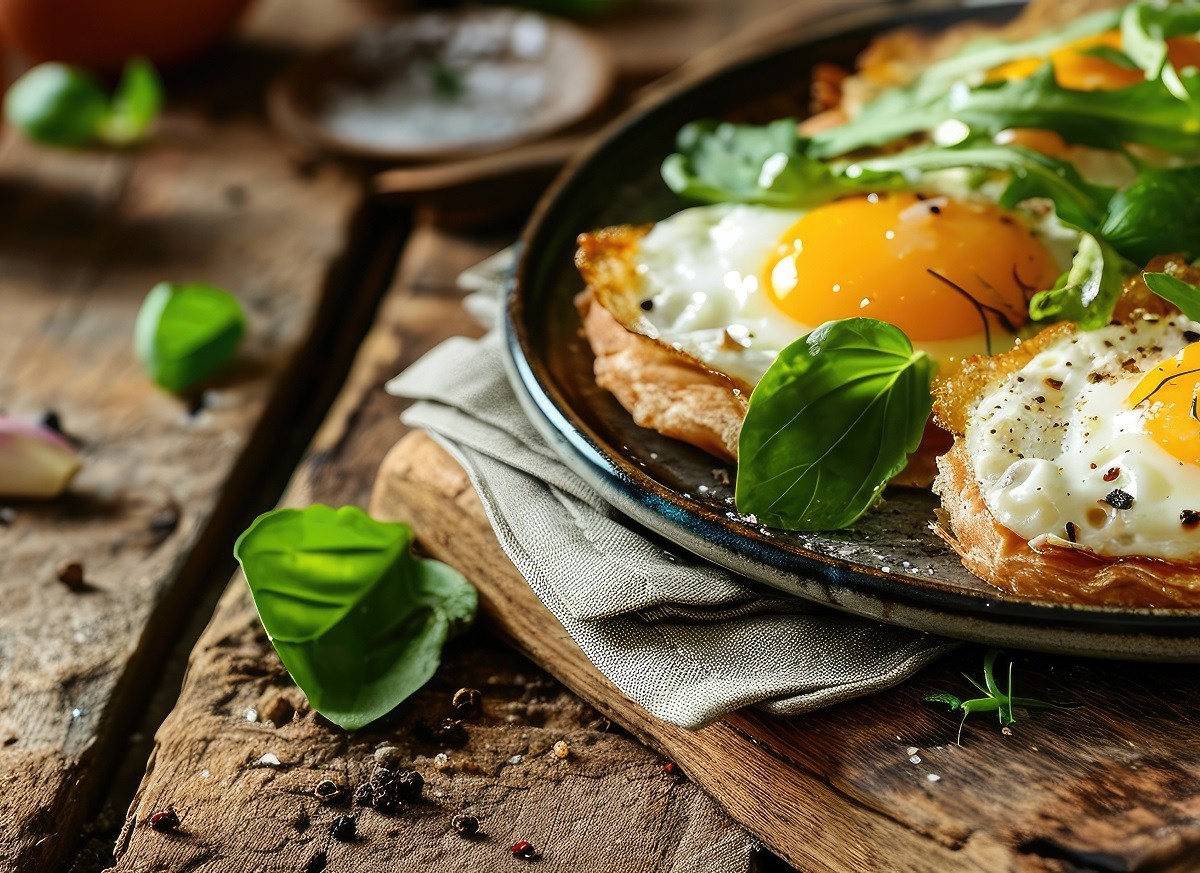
(882, 784)
(607, 806)
(83, 237)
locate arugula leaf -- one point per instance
(60, 105)
(1116, 57)
(186, 333)
(1033, 174)
(835, 417)
(988, 53)
(358, 622)
(1088, 292)
(1145, 28)
(1183, 295)
(135, 104)
(1147, 113)
(1158, 213)
(719, 162)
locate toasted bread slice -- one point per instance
(1001, 557)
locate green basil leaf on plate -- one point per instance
(832, 421)
(1184, 296)
(187, 332)
(356, 619)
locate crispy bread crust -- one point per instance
(661, 387)
(1000, 557)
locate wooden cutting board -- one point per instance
(881, 783)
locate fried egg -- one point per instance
(732, 284)
(1095, 443)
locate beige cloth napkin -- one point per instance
(686, 640)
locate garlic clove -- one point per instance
(34, 461)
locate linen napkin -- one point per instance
(686, 640)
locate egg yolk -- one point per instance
(1074, 68)
(1169, 393)
(934, 267)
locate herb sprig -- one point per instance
(994, 700)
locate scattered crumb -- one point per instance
(561, 749)
(441, 761)
(912, 750)
(515, 759)
(932, 777)
(252, 715)
(270, 759)
(916, 759)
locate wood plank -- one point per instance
(83, 237)
(609, 802)
(881, 783)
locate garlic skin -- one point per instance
(34, 461)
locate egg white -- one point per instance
(1044, 455)
(701, 289)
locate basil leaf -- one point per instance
(1088, 292)
(1158, 213)
(186, 333)
(135, 104)
(1183, 295)
(358, 622)
(832, 421)
(56, 105)
(719, 162)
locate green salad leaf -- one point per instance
(835, 417)
(1184, 296)
(1145, 28)
(1031, 174)
(356, 619)
(719, 162)
(1158, 213)
(186, 333)
(60, 105)
(1088, 292)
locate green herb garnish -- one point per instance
(356, 619)
(994, 700)
(448, 83)
(833, 420)
(60, 105)
(186, 333)
(1184, 296)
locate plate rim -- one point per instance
(860, 589)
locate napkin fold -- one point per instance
(686, 640)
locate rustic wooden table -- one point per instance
(96, 733)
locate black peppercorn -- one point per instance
(467, 825)
(343, 828)
(364, 795)
(467, 703)
(328, 791)
(1119, 499)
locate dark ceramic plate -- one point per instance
(890, 567)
